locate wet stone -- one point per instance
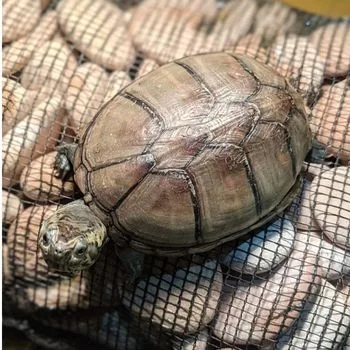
(333, 262)
(300, 210)
(184, 301)
(330, 203)
(256, 311)
(333, 44)
(264, 251)
(324, 322)
(330, 119)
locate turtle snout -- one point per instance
(58, 250)
(53, 249)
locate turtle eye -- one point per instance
(80, 249)
(45, 239)
(48, 236)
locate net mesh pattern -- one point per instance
(283, 286)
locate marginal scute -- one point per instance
(178, 98)
(264, 74)
(80, 177)
(263, 132)
(231, 83)
(223, 168)
(121, 130)
(297, 126)
(274, 104)
(111, 183)
(103, 215)
(273, 182)
(160, 200)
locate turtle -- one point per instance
(196, 153)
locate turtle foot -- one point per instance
(317, 154)
(133, 263)
(64, 159)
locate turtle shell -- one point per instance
(195, 153)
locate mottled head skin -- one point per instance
(71, 239)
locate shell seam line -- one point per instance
(86, 134)
(289, 143)
(123, 198)
(244, 66)
(153, 114)
(251, 178)
(199, 80)
(131, 189)
(194, 198)
(145, 106)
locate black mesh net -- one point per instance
(283, 286)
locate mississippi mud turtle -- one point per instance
(192, 155)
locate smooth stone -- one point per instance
(11, 207)
(314, 169)
(251, 46)
(333, 43)
(40, 286)
(16, 55)
(47, 289)
(17, 102)
(296, 58)
(85, 94)
(182, 302)
(51, 68)
(323, 324)
(33, 136)
(115, 332)
(300, 210)
(330, 119)
(19, 18)
(264, 251)
(116, 81)
(196, 341)
(109, 330)
(6, 274)
(333, 262)
(25, 259)
(343, 287)
(62, 295)
(330, 203)
(257, 311)
(233, 21)
(97, 29)
(102, 280)
(40, 183)
(274, 18)
(165, 29)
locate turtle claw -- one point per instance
(62, 166)
(64, 160)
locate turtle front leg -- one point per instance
(317, 154)
(133, 262)
(64, 159)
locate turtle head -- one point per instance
(72, 238)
